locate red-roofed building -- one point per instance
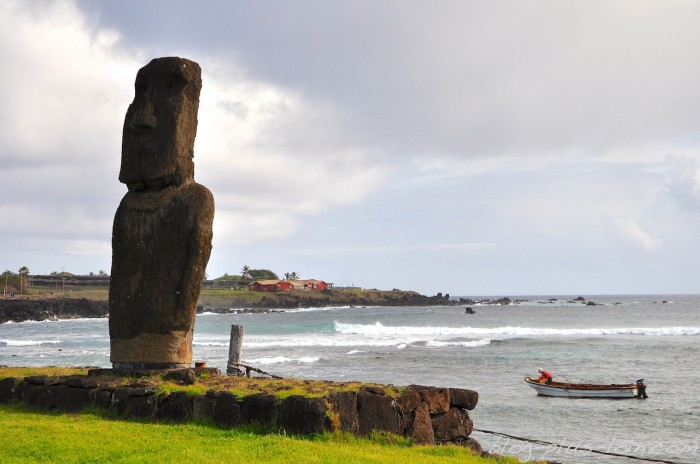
(281, 285)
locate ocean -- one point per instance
(620, 340)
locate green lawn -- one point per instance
(29, 436)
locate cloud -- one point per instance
(60, 83)
(500, 144)
(460, 79)
(630, 230)
(270, 155)
(683, 182)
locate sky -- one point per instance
(484, 147)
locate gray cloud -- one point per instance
(461, 78)
(483, 147)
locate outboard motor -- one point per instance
(641, 390)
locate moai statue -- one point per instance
(161, 239)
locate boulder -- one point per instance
(437, 399)
(203, 408)
(344, 406)
(408, 401)
(69, 399)
(36, 395)
(227, 410)
(138, 403)
(305, 416)
(463, 398)
(9, 390)
(376, 411)
(261, 408)
(454, 425)
(176, 407)
(420, 427)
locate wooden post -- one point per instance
(234, 351)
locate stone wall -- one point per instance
(428, 415)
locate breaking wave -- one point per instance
(470, 344)
(29, 342)
(378, 329)
(283, 359)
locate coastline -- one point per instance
(52, 307)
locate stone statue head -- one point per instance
(160, 125)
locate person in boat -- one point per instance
(641, 390)
(545, 377)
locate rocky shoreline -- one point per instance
(41, 309)
(269, 302)
(19, 310)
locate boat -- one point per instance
(584, 390)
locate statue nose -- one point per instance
(142, 120)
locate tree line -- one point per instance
(14, 283)
(248, 273)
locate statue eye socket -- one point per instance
(176, 84)
(141, 88)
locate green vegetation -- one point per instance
(239, 386)
(49, 371)
(257, 274)
(12, 282)
(30, 436)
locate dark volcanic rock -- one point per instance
(203, 408)
(260, 408)
(463, 398)
(420, 427)
(139, 403)
(344, 404)
(454, 425)
(176, 407)
(305, 416)
(376, 412)
(161, 239)
(71, 399)
(408, 401)
(9, 390)
(19, 310)
(227, 410)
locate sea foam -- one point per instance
(283, 359)
(378, 329)
(29, 342)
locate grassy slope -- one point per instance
(29, 436)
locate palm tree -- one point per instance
(291, 276)
(245, 272)
(24, 270)
(7, 274)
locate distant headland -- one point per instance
(94, 303)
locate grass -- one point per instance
(33, 437)
(50, 371)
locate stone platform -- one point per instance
(428, 415)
